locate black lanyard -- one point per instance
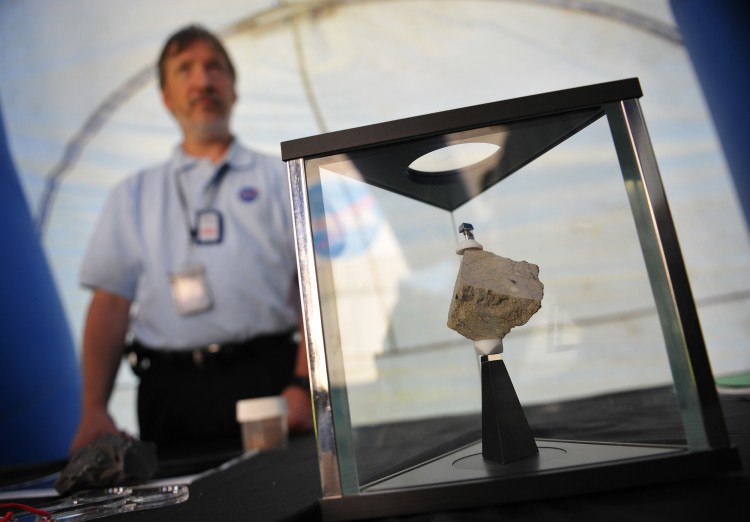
(213, 187)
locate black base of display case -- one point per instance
(463, 479)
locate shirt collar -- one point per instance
(236, 156)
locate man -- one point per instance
(194, 259)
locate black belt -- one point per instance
(143, 358)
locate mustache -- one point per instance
(207, 95)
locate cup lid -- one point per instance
(260, 408)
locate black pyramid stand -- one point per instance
(506, 435)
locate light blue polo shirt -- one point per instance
(142, 237)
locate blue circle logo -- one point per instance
(248, 194)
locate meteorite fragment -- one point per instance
(493, 294)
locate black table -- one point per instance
(285, 485)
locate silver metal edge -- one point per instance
(316, 358)
(698, 398)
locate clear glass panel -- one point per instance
(590, 365)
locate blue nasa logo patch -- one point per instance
(248, 194)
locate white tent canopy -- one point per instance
(82, 109)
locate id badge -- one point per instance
(210, 227)
(190, 290)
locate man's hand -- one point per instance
(92, 425)
(299, 409)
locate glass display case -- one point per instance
(611, 374)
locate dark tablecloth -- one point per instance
(285, 485)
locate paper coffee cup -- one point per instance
(263, 422)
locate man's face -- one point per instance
(199, 90)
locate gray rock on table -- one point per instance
(493, 294)
(110, 460)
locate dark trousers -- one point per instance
(183, 402)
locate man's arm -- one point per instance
(299, 402)
(103, 344)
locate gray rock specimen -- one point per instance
(493, 294)
(110, 460)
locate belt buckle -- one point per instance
(201, 355)
(140, 363)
